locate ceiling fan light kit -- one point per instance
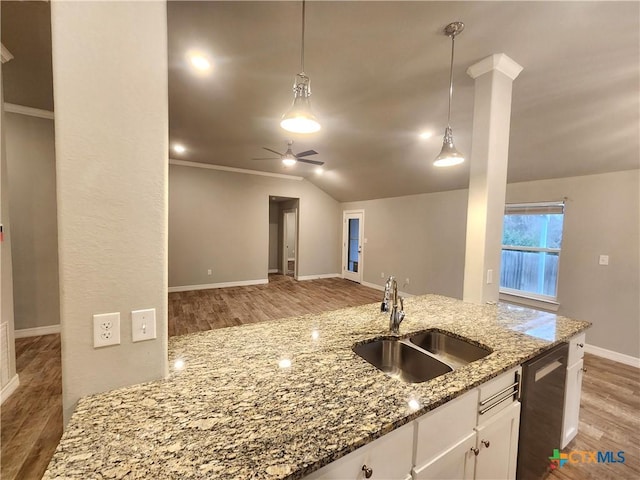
(289, 158)
(449, 155)
(300, 118)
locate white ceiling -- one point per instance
(379, 76)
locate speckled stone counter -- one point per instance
(235, 410)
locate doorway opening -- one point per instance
(283, 236)
(352, 240)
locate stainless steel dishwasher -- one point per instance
(542, 398)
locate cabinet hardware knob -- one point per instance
(584, 370)
(475, 451)
(581, 345)
(367, 471)
(486, 443)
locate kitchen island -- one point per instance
(281, 399)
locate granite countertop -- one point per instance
(232, 408)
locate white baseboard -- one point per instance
(611, 355)
(273, 270)
(207, 286)
(36, 331)
(317, 277)
(9, 388)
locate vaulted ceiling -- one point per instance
(379, 76)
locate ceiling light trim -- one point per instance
(224, 168)
(29, 111)
(498, 61)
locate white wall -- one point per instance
(423, 237)
(32, 193)
(110, 92)
(219, 220)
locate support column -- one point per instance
(493, 77)
(111, 135)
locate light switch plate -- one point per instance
(603, 260)
(143, 325)
(106, 329)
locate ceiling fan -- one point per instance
(289, 158)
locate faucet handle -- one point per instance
(384, 306)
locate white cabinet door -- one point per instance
(497, 444)
(572, 402)
(454, 464)
(390, 458)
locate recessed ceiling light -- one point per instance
(199, 61)
(179, 148)
(426, 135)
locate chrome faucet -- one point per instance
(391, 295)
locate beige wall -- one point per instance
(8, 360)
(601, 217)
(219, 220)
(31, 165)
(423, 237)
(110, 85)
(420, 237)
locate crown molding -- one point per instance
(6, 54)
(208, 166)
(29, 111)
(497, 61)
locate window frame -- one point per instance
(548, 302)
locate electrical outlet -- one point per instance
(209, 272)
(106, 329)
(406, 281)
(143, 325)
(381, 274)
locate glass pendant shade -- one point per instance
(449, 156)
(300, 118)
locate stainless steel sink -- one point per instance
(400, 360)
(452, 350)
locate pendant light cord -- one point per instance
(302, 43)
(453, 39)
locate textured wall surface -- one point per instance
(110, 84)
(32, 167)
(219, 220)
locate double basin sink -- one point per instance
(420, 357)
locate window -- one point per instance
(531, 242)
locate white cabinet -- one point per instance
(389, 458)
(497, 445)
(573, 388)
(456, 463)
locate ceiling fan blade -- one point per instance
(273, 151)
(266, 158)
(312, 162)
(306, 153)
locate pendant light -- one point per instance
(449, 155)
(300, 118)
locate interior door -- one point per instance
(290, 241)
(352, 240)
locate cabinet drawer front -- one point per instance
(498, 394)
(389, 457)
(576, 352)
(444, 427)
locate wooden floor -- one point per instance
(199, 310)
(609, 421)
(31, 419)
